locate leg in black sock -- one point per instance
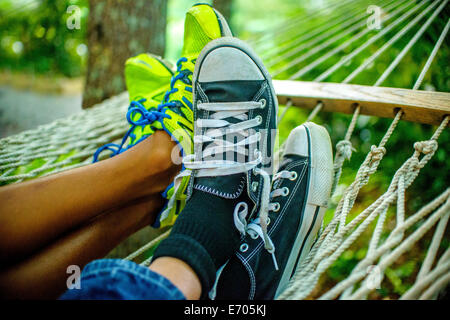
(203, 236)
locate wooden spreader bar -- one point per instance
(428, 107)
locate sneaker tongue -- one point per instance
(151, 103)
(284, 163)
(227, 186)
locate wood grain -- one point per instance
(428, 107)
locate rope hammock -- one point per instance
(70, 143)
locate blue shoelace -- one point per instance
(147, 116)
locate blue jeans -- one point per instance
(111, 279)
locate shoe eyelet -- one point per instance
(243, 247)
(294, 175)
(259, 119)
(256, 153)
(255, 186)
(285, 191)
(263, 103)
(268, 221)
(277, 207)
(199, 103)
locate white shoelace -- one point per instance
(217, 127)
(216, 130)
(258, 226)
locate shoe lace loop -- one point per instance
(180, 75)
(257, 228)
(147, 117)
(213, 132)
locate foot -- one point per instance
(299, 196)
(147, 77)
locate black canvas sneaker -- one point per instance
(299, 196)
(235, 110)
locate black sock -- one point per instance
(204, 236)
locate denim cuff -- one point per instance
(116, 279)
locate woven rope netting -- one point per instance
(299, 49)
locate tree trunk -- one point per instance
(224, 7)
(117, 30)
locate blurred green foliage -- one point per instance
(34, 37)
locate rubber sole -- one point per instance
(224, 27)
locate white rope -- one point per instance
(371, 40)
(394, 39)
(347, 43)
(313, 50)
(433, 290)
(432, 55)
(427, 280)
(344, 150)
(413, 40)
(147, 246)
(63, 144)
(298, 44)
(433, 249)
(280, 33)
(288, 106)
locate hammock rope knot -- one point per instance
(376, 154)
(344, 149)
(426, 147)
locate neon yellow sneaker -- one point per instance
(147, 73)
(147, 77)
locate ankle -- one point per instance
(153, 163)
(180, 274)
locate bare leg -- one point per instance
(35, 212)
(43, 275)
(180, 274)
